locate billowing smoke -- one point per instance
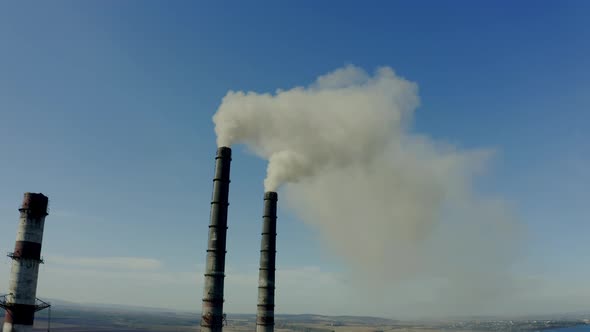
(396, 205)
(345, 118)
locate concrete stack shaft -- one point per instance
(266, 278)
(20, 303)
(212, 314)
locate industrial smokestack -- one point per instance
(265, 317)
(212, 315)
(20, 302)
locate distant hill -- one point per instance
(349, 320)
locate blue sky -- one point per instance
(106, 107)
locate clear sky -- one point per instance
(106, 107)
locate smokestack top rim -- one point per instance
(35, 202)
(30, 194)
(271, 195)
(224, 152)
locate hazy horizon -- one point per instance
(61, 304)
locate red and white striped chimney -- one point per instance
(20, 302)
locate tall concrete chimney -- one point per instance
(265, 317)
(212, 315)
(20, 302)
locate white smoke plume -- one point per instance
(396, 205)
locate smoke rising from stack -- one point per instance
(396, 205)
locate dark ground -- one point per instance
(80, 318)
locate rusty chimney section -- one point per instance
(21, 301)
(265, 317)
(212, 315)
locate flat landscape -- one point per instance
(81, 318)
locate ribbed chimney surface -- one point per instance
(266, 278)
(20, 301)
(212, 315)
